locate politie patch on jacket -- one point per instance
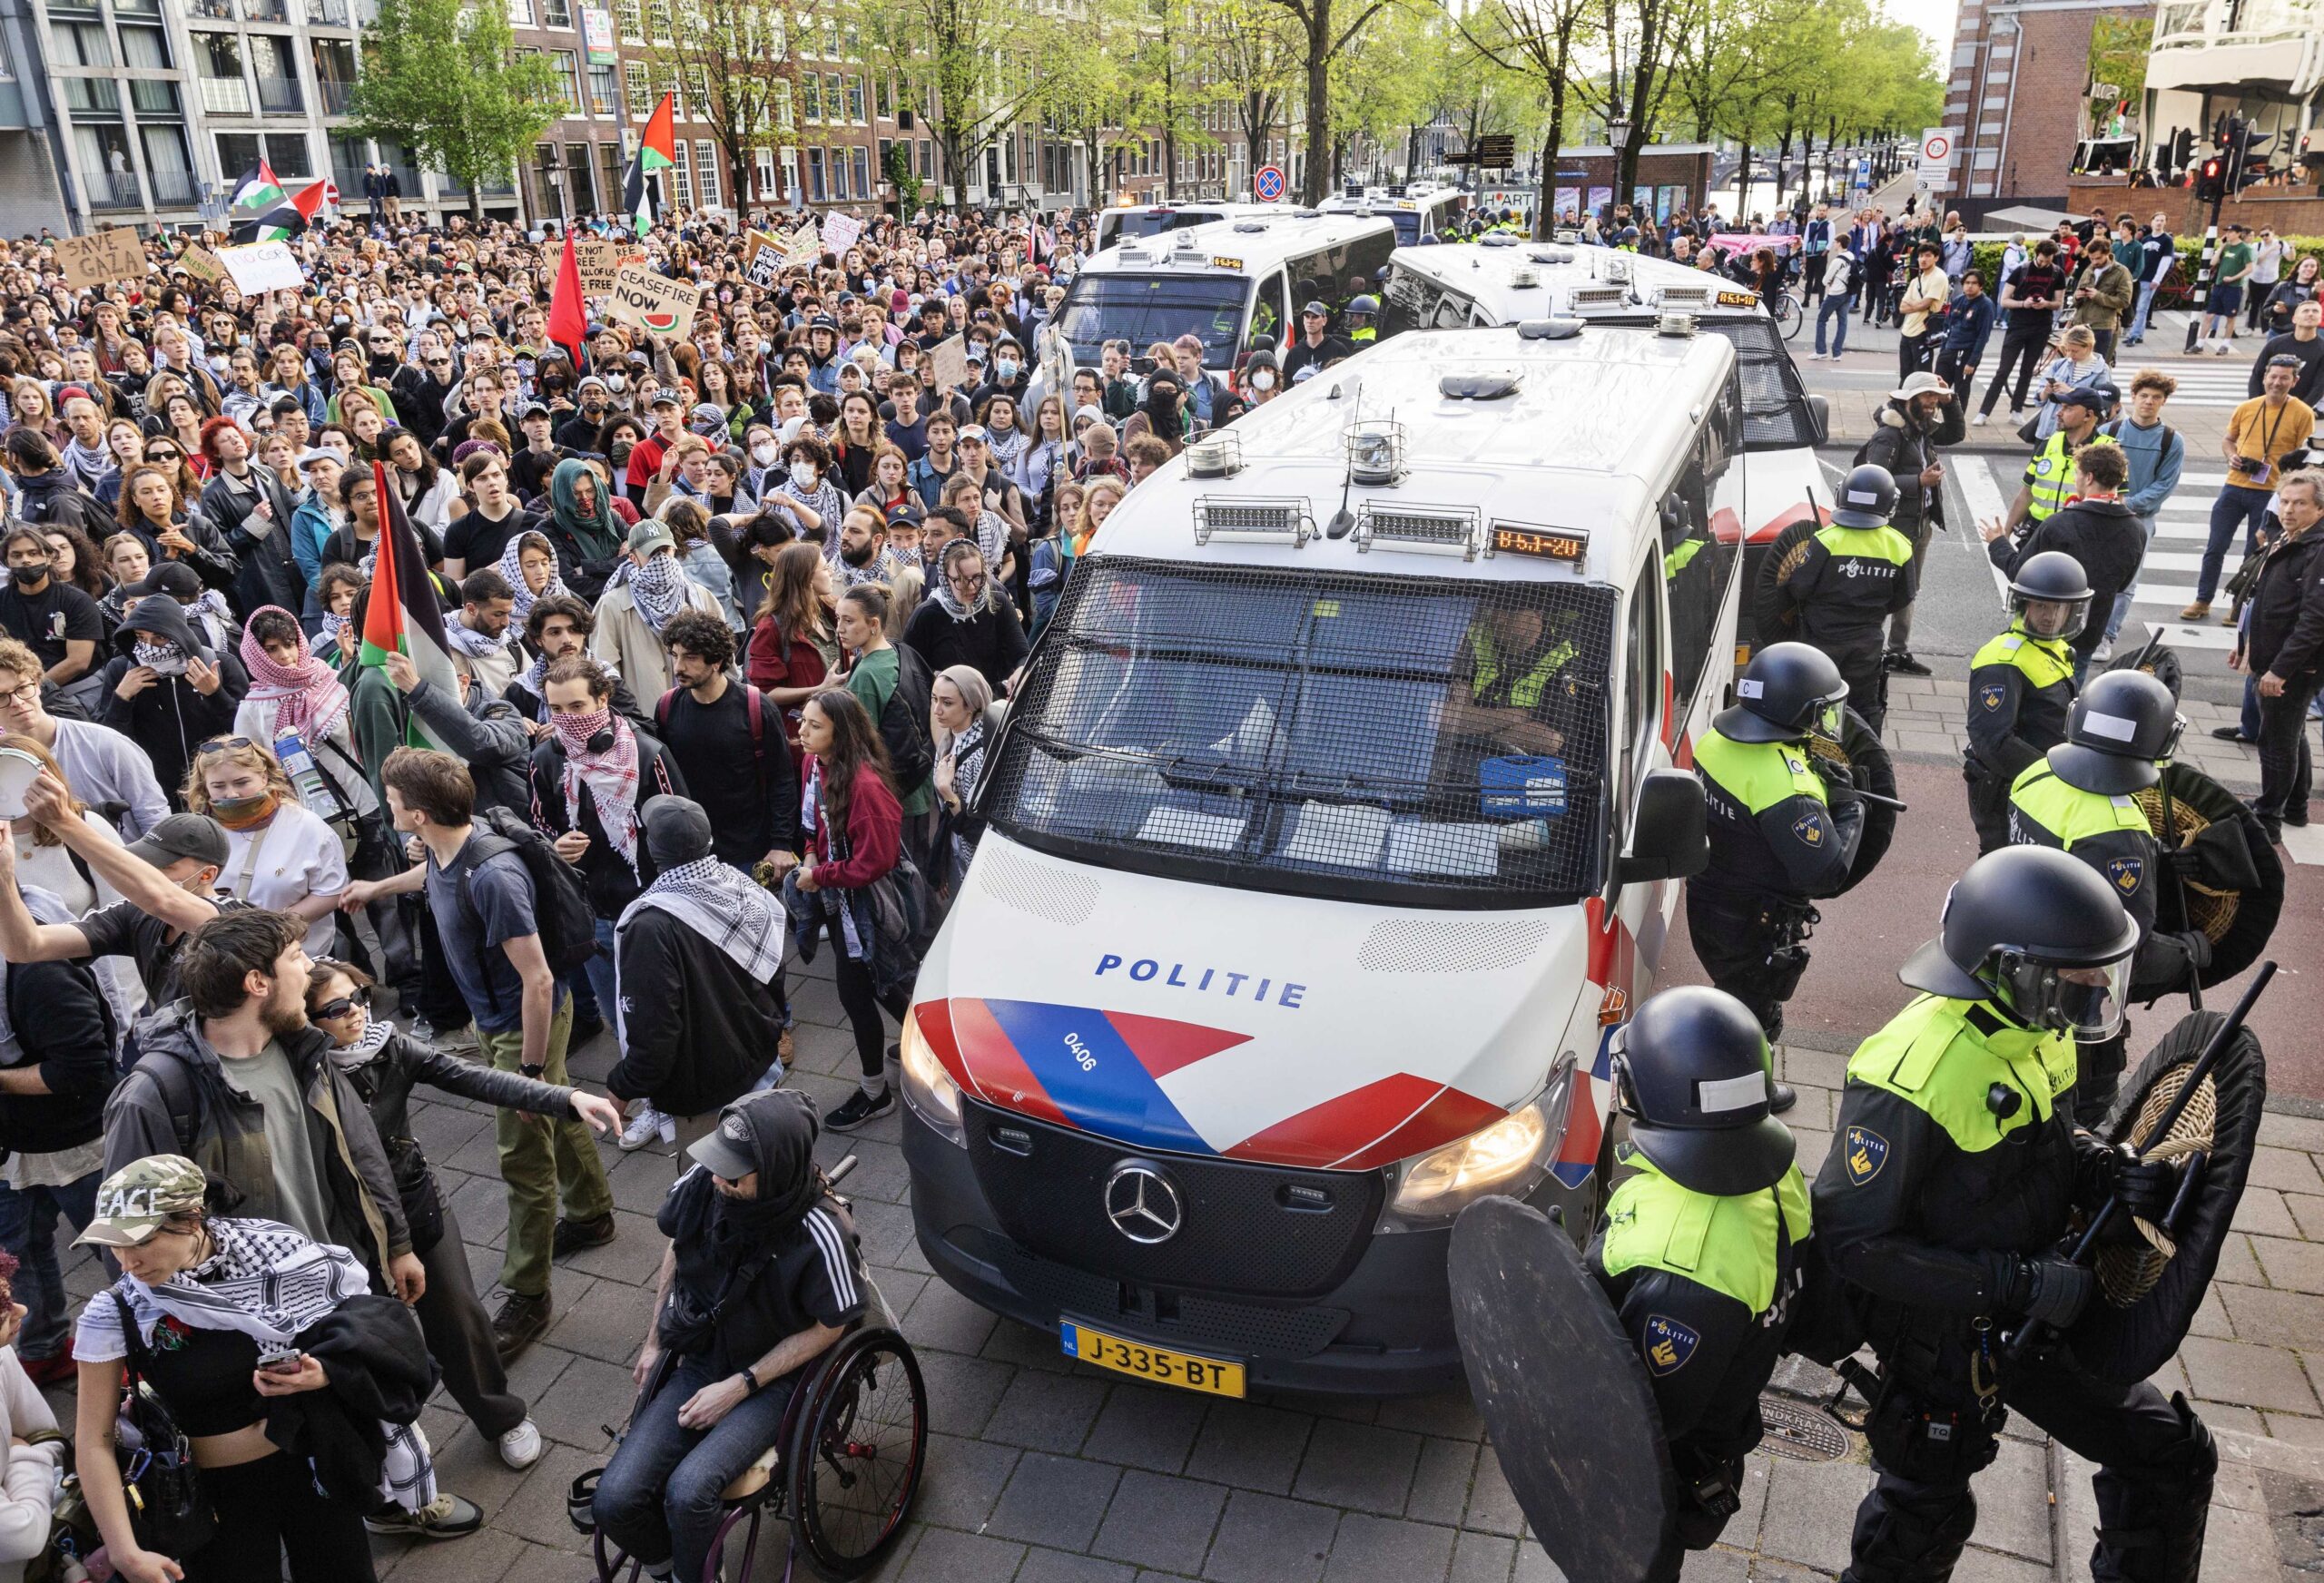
(2126, 873)
(1669, 1344)
(1809, 828)
(1866, 1151)
(1993, 695)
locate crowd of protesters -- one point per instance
(729, 616)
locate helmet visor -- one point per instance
(2056, 620)
(2086, 1002)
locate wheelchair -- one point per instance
(842, 1472)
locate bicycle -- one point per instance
(1787, 314)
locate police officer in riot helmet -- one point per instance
(2077, 799)
(1856, 572)
(1704, 1251)
(1941, 1209)
(1364, 319)
(1781, 834)
(2021, 687)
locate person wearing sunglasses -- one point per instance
(384, 1064)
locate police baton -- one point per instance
(2032, 1332)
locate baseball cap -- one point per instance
(142, 1197)
(2093, 400)
(182, 835)
(314, 453)
(650, 535)
(729, 1149)
(1317, 309)
(174, 578)
(533, 410)
(975, 431)
(666, 397)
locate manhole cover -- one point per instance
(1801, 1433)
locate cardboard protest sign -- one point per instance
(947, 362)
(600, 260)
(101, 260)
(653, 302)
(200, 264)
(766, 258)
(839, 232)
(806, 245)
(263, 266)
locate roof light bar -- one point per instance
(1460, 532)
(1252, 520)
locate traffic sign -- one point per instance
(1936, 159)
(1268, 183)
(330, 193)
(1496, 151)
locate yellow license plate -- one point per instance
(1209, 1375)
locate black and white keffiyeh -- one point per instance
(658, 589)
(719, 902)
(269, 1282)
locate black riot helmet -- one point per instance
(1868, 497)
(1365, 307)
(1690, 1070)
(2039, 933)
(2123, 726)
(2051, 579)
(1788, 690)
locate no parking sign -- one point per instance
(1268, 183)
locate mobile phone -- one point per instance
(290, 1365)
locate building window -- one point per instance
(831, 41)
(569, 78)
(927, 161)
(839, 173)
(657, 21)
(681, 177)
(144, 49)
(813, 87)
(815, 193)
(286, 153)
(884, 95)
(238, 151)
(629, 15)
(855, 100)
(860, 157)
(520, 13)
(706, 170)
(83, 44)
(605, 93)
(783, 104)
(834, 97)
(787, 171)
(637, 87)
(612, 168)
(556, 13)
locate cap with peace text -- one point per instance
(142, 1197)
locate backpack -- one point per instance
(904, 722)
(2112, 429)
(567, 926)
(752, 705)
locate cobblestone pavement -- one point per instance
(1041, 1469)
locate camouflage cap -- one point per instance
(142, 1196)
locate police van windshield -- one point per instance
(1407, 224)
(1150, 222)
(1144, 309)
(1410, 741)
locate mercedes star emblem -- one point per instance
(1143, 1205)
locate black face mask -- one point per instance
(26, 576)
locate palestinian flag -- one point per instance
(257, 191)
(568, 316)
(657, 151)
(402, 614)
(285, 219)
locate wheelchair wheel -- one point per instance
(855, 1458)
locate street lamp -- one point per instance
(1618, 133)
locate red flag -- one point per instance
(309, 202)
(568, 321)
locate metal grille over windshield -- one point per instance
(1776, 415)
(1414, 741)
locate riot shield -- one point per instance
(2148, 1287)
(2240, 894)
(1859, 756)
(1564, 1395)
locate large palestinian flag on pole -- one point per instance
(403, 614)
(256, 192)
(284, 218)
(657, 150)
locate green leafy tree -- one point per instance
(1087, 92)
(2118, 52)
(1254, 51)
(730, 59)
(1534, 42)
(1164, 73)
(1327, 28)
(896, 165)
(444, 77)
(1381, 83)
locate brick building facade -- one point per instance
(2012, 146)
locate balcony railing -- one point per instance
(155, 98)
(225, 95)
(336, 95)
(266, 10)
(91, 95)
(115, 190)
(211, 10)
(175, 189)
(2215, 24)
(328, 13)
(281, 96)
(349, 179)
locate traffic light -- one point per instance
(2250, 152)
(2182, 150)
(2210, 181)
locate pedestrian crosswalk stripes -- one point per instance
(2225, 385)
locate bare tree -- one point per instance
(970, 70)
(1326, 28)
(732, 61)
(1536, 39)
(1254, 51)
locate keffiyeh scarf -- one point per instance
(476, 644)
(720, 904)
(611, 777)
(307, 696)
(269, 1282)
(510, 566)
(658, 589)
(163, 659)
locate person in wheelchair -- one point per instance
(762, 1275)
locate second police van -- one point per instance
(1504, 280)
(1337, 824)
(1415, 212)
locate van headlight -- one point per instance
(1508, 1156)
(928, 1088)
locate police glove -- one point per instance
(2052, 1291)
(2196, 946)
(2184, 863)
(2144, 1188)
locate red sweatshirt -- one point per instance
(875, 832)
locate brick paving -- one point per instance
(1042, 1470)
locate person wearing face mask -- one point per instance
(167, 691)
(1006, 372)
(279, 854)
(649, 590)
(1261, 381)
(56, 620)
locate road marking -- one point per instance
(2186, 636)
(2305, 843)
(1985, 501)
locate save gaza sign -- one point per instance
(653, 302)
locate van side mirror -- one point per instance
(1821, 409)
(1671, 837)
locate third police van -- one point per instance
(1505, 280)
(1335, 827)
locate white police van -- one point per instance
(1222, 282)
(1415, 212)
(1334, 829)
(1132, 221)
(1505, 280)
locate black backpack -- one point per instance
(568, 928)
(904, 722)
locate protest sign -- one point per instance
(103, 258)
(200, 264)
(653, 302)
(839, 232)
(263, 266)
(600, 260)
(948, 363)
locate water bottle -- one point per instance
(300, 765)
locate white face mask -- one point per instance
(762, 453)
(1263, 380)
(803, 474)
